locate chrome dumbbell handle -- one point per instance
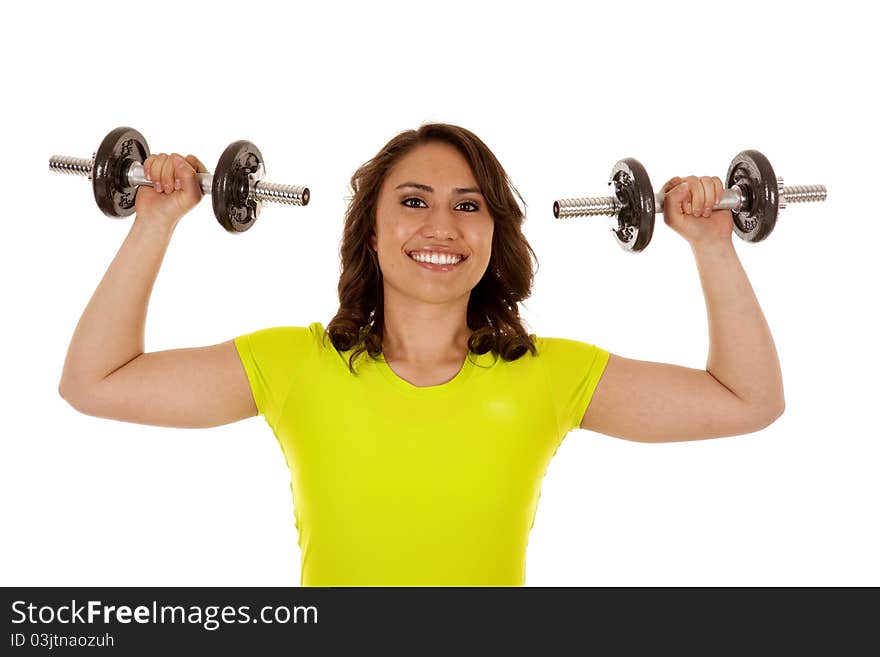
(732, 199)
(259, 190)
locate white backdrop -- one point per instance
(559, 92)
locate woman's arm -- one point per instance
(106, 372)
(187, 388)
(742, 354)
(110, 332)
(740, 390)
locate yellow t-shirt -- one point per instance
(399, 485)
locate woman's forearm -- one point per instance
(742, 354)
(110, 332)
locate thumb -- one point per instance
(196, 164)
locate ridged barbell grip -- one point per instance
(732, 199)
(276, 193)
(259, 191)
(599, 206)
(804, 193)
(75, 166)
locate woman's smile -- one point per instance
(435, 266)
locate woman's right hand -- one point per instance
(176, 188)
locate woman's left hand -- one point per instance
(687, 209)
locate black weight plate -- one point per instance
(635, 221)
(751, 170)
(233, 208)
(117, 151)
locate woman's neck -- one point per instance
(426, 336)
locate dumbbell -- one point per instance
(237, 187)
(754, 195)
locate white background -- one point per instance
(559, 92)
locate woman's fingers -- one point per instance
(173, 172)
(719, 189)
(673, 201)
(153, 170)
(708, 195)
(169, 173)
(187, 179)
(166, 175)
(695, 205)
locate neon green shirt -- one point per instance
(399, 485)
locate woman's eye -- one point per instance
(414, 203)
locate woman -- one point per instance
(417, 428)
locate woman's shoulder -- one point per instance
(282, 338)
(564, 350)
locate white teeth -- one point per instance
(436, 258)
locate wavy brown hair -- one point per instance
(492, 312)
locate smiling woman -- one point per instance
(422, 466)
(428, 192)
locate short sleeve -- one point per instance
(272, 358)
(573, 370)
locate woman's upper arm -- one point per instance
(198, 387)
(657, 402)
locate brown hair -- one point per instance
(492, 312)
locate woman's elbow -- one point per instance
(77, 398)
(770, 416)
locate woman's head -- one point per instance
(430, 201)
(462, 199)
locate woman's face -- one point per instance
(430, 199)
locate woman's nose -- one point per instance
(441, 222)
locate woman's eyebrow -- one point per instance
(426, 188)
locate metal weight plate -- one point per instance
(751, 170)
(635, 221)
(117, 151)
(233, 207)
